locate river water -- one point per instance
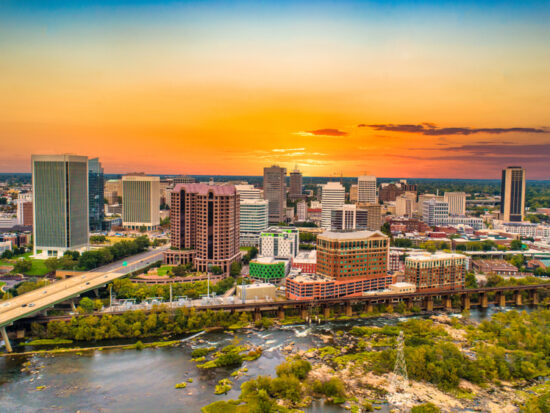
(143, 381)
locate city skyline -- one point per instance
(412, 89)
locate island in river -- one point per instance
(494, 362)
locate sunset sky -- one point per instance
(395, 89)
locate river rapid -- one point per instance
(143, 381)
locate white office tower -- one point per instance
(366, 189)
(457, 202)
(253, 220)
(333, 197)
(60, 203)
(301, 211)
(140, 201)
(248, 192)
(281, 242)
(435, 212)
(404, 206)
(24, 209)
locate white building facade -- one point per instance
(333, 197)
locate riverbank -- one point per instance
(455, 365)
(111, 380)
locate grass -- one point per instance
(38, 268)
(47, 342)
(164, 270)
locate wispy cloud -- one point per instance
(322, 132)
(288, 150)
(431, 129)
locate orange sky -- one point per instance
(204, 91)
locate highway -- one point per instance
(37, 300)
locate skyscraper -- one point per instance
(512, 194)
(95, 194)
(333, 196)
(275, 192)
(248, 192)
(295, 184)
(435, 212)
(140, 201)
(204, 226)
(60, 203)
(366, 189)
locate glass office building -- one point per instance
(95, 194)
(60, 200)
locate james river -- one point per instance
(143, 381)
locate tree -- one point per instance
(23, 266)
(216, 270)
(386, 229)
(516, 245)
(143, 229)
(7, 254)
(235, 270)
(52, 264)
(471, 280)
(87, 305)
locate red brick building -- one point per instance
(348, 264)
(204, 225)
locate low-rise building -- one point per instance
(306, 262)
(256, 292)
(269, 269)
(496, 266)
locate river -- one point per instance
(143, 381)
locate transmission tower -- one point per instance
(399, 384)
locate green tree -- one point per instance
(52, 264)
(235, 270)
(516, 245)
(471, 280)
(22, 266)
(87, 305)
(216, 270)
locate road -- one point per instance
(37, 300)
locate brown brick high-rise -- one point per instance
(204, 224)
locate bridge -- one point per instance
(38, 300)
(348, 306)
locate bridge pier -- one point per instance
(535, 297)
(518, 298)
(369, 308)
(410, 303)
(257, 315)
(326, 312)
(429, 303)
(501, 300)
(349, 311)
(389, 307)
(281, 313)
(447, 303)
(466, 302)
(304, 313)
(6, 339)
(484, 300)
(96, 292)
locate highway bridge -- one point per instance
(38, 300)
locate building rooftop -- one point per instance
(203, 189)
(437, 256)
(351, 235)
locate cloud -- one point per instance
(322, 132)
(288, 150)
(431, 129)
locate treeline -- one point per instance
(510, 346)
(96, 258)
(137, 324)
(125, 288)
